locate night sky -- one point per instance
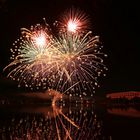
(115, 22)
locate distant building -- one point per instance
(129, 95)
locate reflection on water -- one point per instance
(128, 112)
(69, 121)
(55, 122)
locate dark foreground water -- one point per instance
(69, 122)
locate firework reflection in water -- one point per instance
(59, 122)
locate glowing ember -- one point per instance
(40, 41)
(72, 26)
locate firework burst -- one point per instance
(78, 64)
(31, 54)
(69, 63)
(74, 21)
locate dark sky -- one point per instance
(115, 22)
